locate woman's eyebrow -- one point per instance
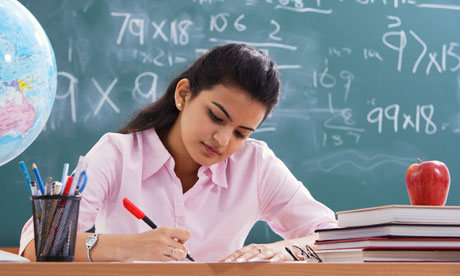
(248, 128)
(228, 116)
(223, 110)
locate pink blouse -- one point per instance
(219, 210)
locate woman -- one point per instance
(186, 160)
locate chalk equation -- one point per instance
(330, 74)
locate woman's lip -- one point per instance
(210, 150)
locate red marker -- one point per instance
(141, 215)
(137, 212)
(67, 186)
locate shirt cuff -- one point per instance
(27, 235)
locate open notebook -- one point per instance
(10, 257)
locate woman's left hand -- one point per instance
(273, 252)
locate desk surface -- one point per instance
(265, 269)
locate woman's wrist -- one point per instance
(109, 248)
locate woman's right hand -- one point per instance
(160, 244)
(153, 245)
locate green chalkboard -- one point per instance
(368, 86)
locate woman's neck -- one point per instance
(185, 166)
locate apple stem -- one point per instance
(419, 160)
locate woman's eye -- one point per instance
(214, 117)
(239, 134)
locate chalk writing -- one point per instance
(178, 30)
(426, 56)
(392, 113)
(396, 3)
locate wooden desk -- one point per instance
(259, 269)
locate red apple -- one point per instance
(428, 183)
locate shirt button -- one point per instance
(180, 222)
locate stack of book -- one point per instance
(393, 233)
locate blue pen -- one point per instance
(39, 179)
(26, 175)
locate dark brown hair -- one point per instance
(232, 64)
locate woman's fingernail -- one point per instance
(241, 259)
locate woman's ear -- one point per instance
(182, 93)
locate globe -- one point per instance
(27, 79)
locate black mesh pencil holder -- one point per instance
(55, 227)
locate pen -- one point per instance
(39, 179)
(33, 186)
(26, 175)
(140, 215)
(56, 188)
(48, 186)
(65, 171)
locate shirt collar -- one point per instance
(155, 156)
(218, 173)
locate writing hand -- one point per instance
(160, 244)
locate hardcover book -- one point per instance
(389, 230)
(391, 243)
(400, 213)
(365, 255)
